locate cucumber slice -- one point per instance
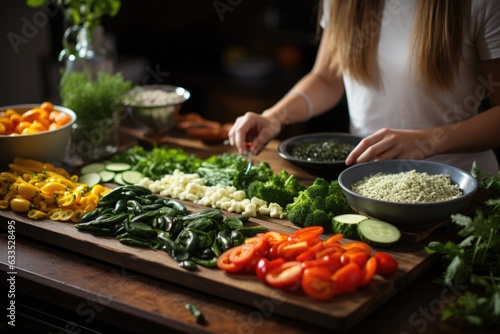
(132, 176)
(106, 175)
(118, 179)
(92, 168)
(90, 179)
(118, 166)
(378, 233)
(347, 224)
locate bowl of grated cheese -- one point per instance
(407, 192)
(155, 106)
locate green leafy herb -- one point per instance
(158, 162)
(93, 99)
(475, 259)
(78, 12)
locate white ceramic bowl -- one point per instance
(48, 146)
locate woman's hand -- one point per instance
(254, 129)
(387, 144)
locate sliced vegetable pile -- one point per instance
(302, 260)
(281, 192)
(474, 260)
(45, 191)
(137, 217)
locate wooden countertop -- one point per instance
(72, 291)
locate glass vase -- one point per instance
(93, 141)
(85, 50)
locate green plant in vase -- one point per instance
(97, 104)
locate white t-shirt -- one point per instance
(404, 103)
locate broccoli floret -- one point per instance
(336, 202)
(318, 217)
(317, 204)
(319, 188)
(298, 210)
(280, 188)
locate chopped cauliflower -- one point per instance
(191, 187)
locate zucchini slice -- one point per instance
(118, 179)
(92, 168)
(106, 175)
(347, 224)
(378, 233)
(90, 179)
(118, 166)
(132, 176)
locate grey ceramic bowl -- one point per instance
(155, 113)
(48, 146)
(407, 213)
(327, 169)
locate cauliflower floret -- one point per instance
(205, 201)
(224, 203)
(276, 211)
(264, 210)
(250, 210)
(145, 182)
(191, 197)
(235, 207)
(258, 202)
(239, 195)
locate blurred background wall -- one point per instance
(233, 56)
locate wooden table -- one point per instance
(63, 291)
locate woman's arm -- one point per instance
(321, 86)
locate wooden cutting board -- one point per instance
(341, 313)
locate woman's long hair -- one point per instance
(437, 39)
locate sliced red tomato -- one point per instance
(310, 254)
(334, 239)
(386, 264)
(224, 263)
(329, 250)
(290, 249)
(286, 276)
(348, 278)
(264, 266)
(354, 256)
(332, 263)
(316, 283)
(272, 251)
(241, 254)
(259, 243)
(318, 230)
(273, 237)
(359, 246)
(369, 270)
(310, 237)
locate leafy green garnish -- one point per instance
(475, 259)
(158, 162)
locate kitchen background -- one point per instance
(233, 56)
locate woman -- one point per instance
(416, 75)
